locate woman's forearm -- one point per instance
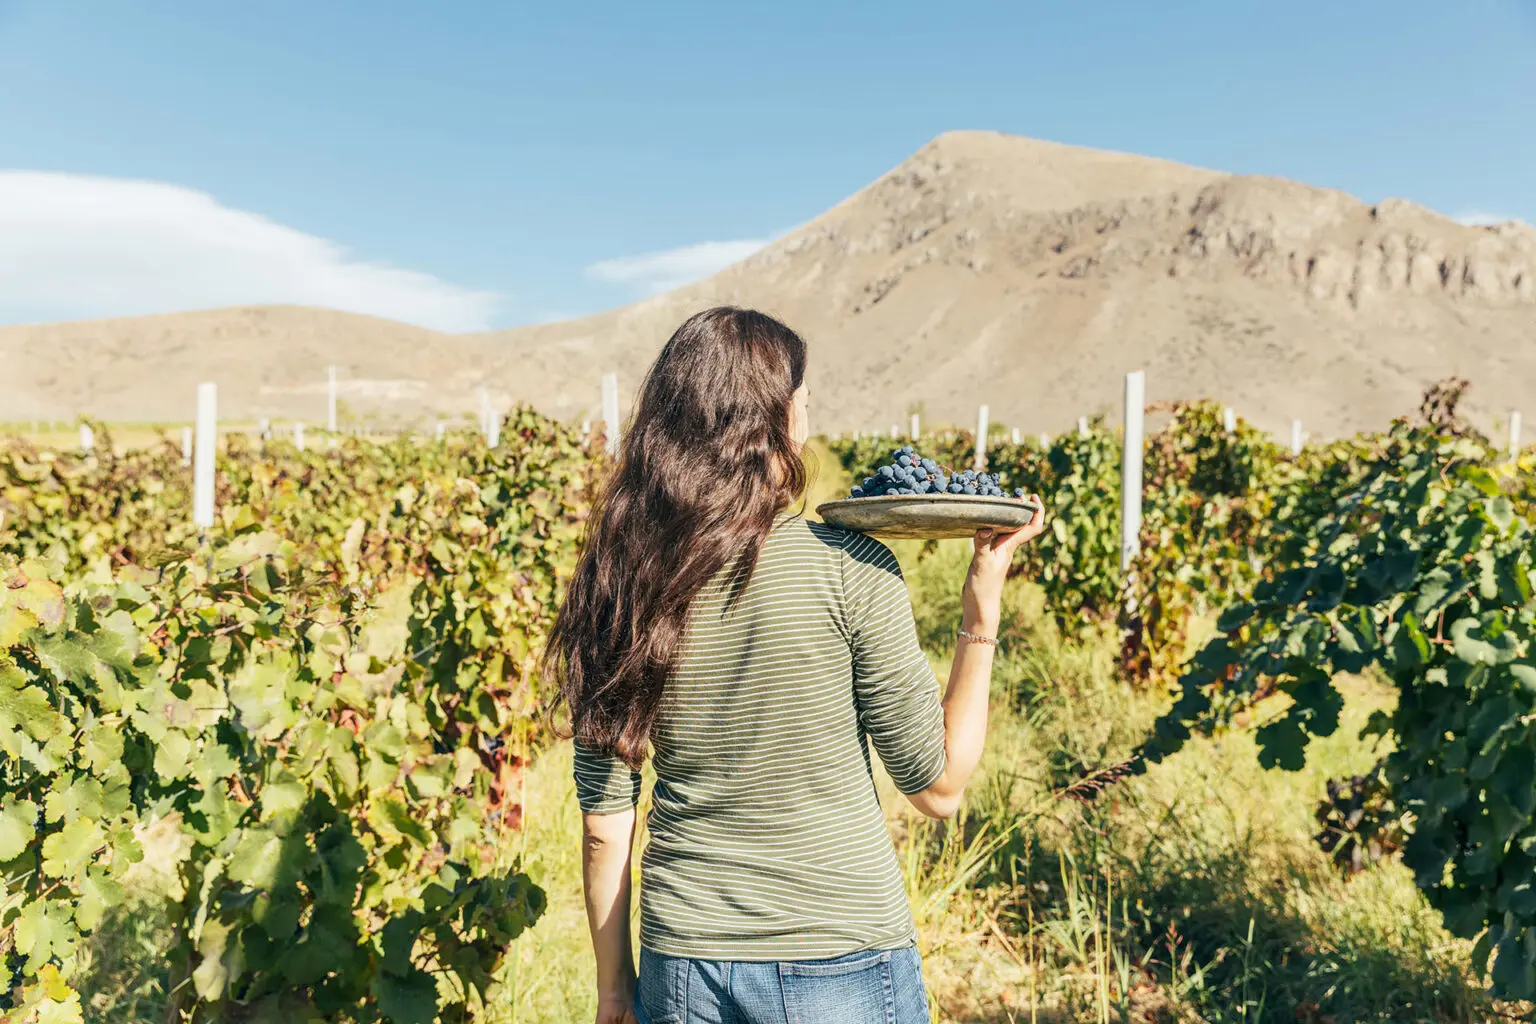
(966, 702)
(605, 864)
(967, 696)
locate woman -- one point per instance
(750, 653)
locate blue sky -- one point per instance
(468, 165)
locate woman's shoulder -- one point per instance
(834, 542)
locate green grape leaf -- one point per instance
(1409, 647)
(1480, 478)
(18, 821)
(24, 709)
(98, 893)
(66, 657)
(45, 930)
(398, 941)
(67, 851)
(264, 860)
(260, 693)
(1282, 743)
(102, 747)
(212, 974)
(393, 820)
(1514, 976)
(277, 915)
(1500, 512)
(406, 999)
(79, 797)
(1525, 674)
(343, 858)
(1436, 589)
(331, 946)
(214, 815)
(173, 755)
(1471, 643)
(1356, 640)
(384, 739)
(282, 798)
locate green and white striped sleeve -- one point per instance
(604, 784)
(898, 698)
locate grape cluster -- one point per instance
(907, 472)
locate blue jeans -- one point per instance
(877, 986)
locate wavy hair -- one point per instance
(705, 467)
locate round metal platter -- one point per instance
(927, 516)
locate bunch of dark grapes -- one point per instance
(907, 472)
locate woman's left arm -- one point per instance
(607, 840)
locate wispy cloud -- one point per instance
(77, 246)
(661, 271)
(1482, 218)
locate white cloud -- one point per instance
(656, 272)
(1482, 218)
(75, 246)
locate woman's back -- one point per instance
(770, 892)
(767, 840)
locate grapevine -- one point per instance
(1421, 570)
(330, 696)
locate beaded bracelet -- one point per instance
(990, 641)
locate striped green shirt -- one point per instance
(767, 838)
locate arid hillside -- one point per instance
(986, 268)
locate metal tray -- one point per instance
(927, 516)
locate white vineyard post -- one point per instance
(1130, 467)
(1045, 440)
(186, 446)
(1082, 426)
(437, 431)
(915, 433)
(1514, 433)
(1295, 437)
(87, 437)
(611, 412)
(895, 432)
(586, 427)
(1015, 435)
(298, 435)
(330, 399)
(1229, 420)
(981, 438)
(206, 446)
(266, 428)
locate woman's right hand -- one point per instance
(982, 596)
(617, 1012)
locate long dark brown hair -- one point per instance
(706, 465)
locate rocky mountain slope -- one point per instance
(986, 268)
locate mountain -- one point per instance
(986, 268)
